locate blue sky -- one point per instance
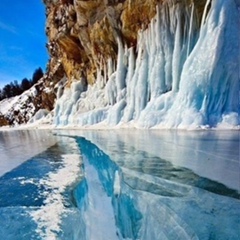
(22, 39)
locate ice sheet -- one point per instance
(210, 154)
(35, 197)
(16, 146)
(160, 201)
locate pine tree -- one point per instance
(38, 74)
(25, 85)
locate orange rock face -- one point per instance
(3, 121)
(83, 33)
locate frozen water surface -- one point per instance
(162, 184)
(35, 188)
(18, 146)
(124, 185)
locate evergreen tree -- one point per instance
(14, 89)
(38, 74)
(25, 85)
(7, 91)
(17, 89)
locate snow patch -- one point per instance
(48, 217)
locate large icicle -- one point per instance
(210, 82)
(121, 69)
(205, 14)
(190, 30)
(177, 52)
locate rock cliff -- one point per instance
(83, 35)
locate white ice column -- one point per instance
(177, 51)
(121, 69)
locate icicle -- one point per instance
(104, 73)
(111, 90)
(167, 44)
(142, 93)
(190, 29)
(121, 68)
(110, 67)
(99, 81)
(177, 52)
(156, 65)
(131, 66)
(158, 26)
(100, 73)
(130, 86)
(204, 14)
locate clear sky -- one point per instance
(22, 39)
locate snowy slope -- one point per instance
(23, 108)
(6, 104)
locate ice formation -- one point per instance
(181, 76)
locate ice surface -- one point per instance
(210, 154)
(48, 217)
(18, 146)
(139, 184)
(37, 195)
(107, 206)
(98, 215)
(185, 74)
(150, 197)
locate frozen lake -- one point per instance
(18, 146)
(119, 184)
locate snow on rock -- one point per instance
(30, 106)
(6, 104)
(21, 108)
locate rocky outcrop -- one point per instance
(3, 120)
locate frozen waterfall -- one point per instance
(183, 74)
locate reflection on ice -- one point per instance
(107, 206)
(149, 197)
(210, 154)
